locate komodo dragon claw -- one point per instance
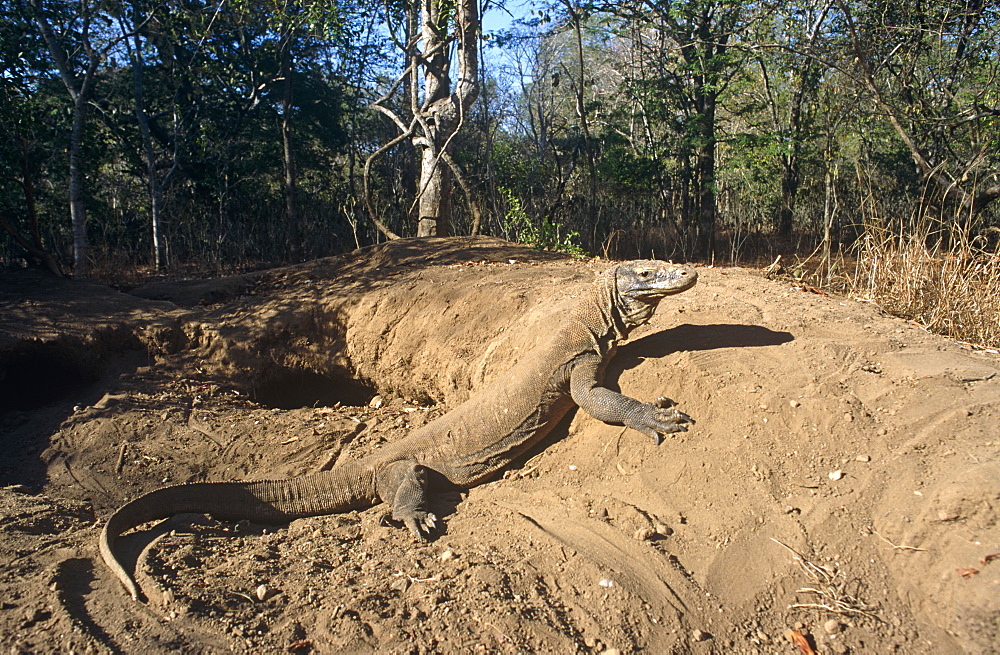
(419, 522)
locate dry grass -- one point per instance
(937, 276)
(934, 274)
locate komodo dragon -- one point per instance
(465, 446)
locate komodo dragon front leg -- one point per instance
(586, 388)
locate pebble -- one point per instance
(447, 555)
(606, 582)
(262, 592)
(836, 475)
(376, 402)
(832, 627)
(863, 458)
(794, 403)
(700, 635)
(644, 534)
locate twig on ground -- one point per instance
(875, 532)
(828, 588)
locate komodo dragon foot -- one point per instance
(659, 418)
(403, 484)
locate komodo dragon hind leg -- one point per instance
(403, 485)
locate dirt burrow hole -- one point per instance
(287, 388)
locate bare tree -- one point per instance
(932, 72)
(439, 112)
(80, 85)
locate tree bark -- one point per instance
(291, 178)
(707, 205)
(443, 111)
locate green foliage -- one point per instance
(624, 170)
(543, 235)
(692, 106)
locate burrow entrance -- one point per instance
(37, 374)
(290, 389)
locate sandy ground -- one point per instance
(840, 489)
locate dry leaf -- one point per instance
(800, 640)
(967, 573)
(989, 558)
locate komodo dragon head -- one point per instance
(641, 284)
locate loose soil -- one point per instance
(841, 486)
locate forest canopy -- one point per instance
(170, 135)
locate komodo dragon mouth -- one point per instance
(469, 444)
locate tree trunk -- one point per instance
(790, 160)
(291, 179)
(434, 208)
(706, 105)
(444, 110)
(79, 91)
(77, 208)
(153, 182)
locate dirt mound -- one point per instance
(842, 479)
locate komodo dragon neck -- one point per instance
(465, 446)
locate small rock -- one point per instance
(109, 400)
(377, 402)
(663, 530)
(572, 467)
(606, 582)
(262, 592)
(848, 417)
(644, 534)
(836, 475)
(700, 635)
(447, 555)
(794, 403)
(832, 627)
(863, 458)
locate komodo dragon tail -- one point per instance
(344, 488)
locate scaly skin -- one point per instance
(465, 446)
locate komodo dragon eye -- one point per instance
(643, 273)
